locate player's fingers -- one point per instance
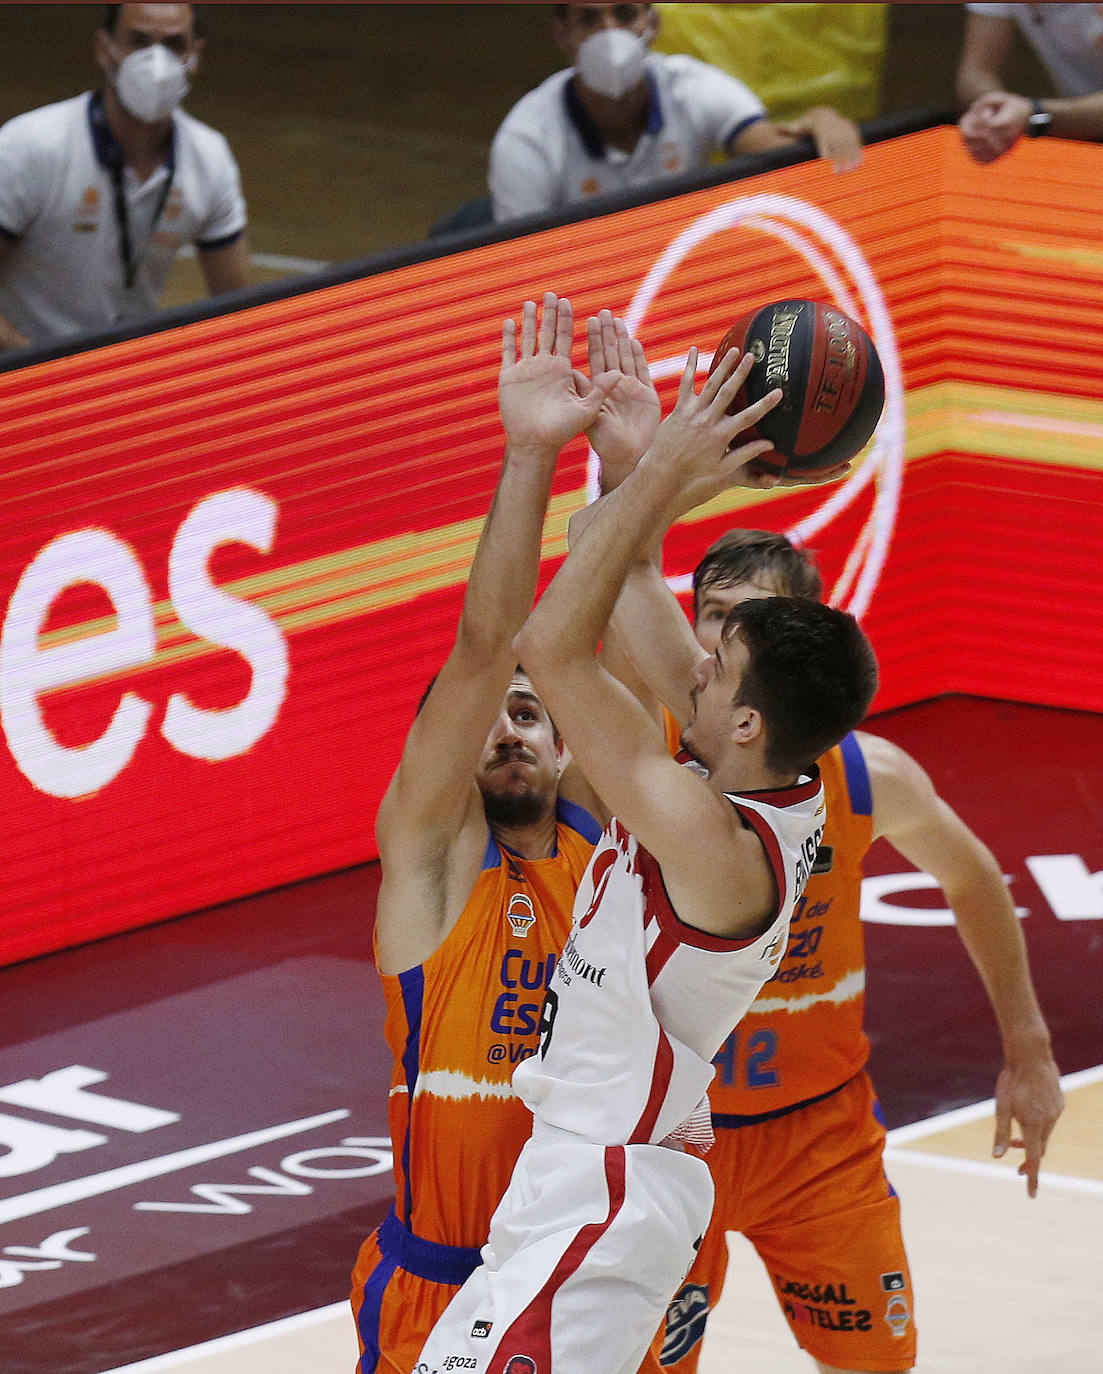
(528, 329)
(608, 339)
(1002, 1137)
(722, 373)
(509, 342)
(624, 347)
(745, 453)
(595, 352)
(689, 377)
(1034, 1146)
(815, 478)
(562, 324)
(745, 419)
(640, 369)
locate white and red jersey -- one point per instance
(640, 1002)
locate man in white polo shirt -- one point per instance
(622, 117)
(98, 193)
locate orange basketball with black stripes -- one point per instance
(830, 374)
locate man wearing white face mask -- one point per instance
(622, 116)
(99, 192)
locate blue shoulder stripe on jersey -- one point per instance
(857, 777)
(578, 818)
(493, 856)
(412, 983)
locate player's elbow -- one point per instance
(526, 649)
(539, 653)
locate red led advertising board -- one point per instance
(234, 550)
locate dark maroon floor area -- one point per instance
(265, 1015)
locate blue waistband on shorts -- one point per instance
(438, 1263)
(728, 1121)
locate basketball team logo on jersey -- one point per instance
(520, 914)
(685, 1322)
(898, 1314)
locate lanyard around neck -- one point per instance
(131, 260)
(110, 155)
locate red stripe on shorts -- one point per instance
(660, 1082)
(530, 1335)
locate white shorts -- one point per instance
(586, 1250)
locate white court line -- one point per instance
(61, 1194)
(916, 1131)
(982, 1168)
(299, 1322)
(978, 1110)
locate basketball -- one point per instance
(828, 368)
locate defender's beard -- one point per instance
(513, 810)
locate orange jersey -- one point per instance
(803, 1036)
(460, 1023)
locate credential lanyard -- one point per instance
(131, 260)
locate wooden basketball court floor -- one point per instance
(1002, 1284)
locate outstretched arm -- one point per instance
(622, 752)
(543, 404)
(910, 814)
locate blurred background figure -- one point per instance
(1068, 42)
(791, 56)
(99, 192)
(622, 116)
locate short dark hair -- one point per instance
(812, 674)
(111, 18)
(751, 555)
(562, 11)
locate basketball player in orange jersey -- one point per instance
(799, 1137)
(483, 836)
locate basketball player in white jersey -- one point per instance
(680, 918)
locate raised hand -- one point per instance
(631, 411)
(543, 402)
(695, 442)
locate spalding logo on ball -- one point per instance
(828, 368)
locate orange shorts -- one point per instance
(809, 1192)
(394, 1309)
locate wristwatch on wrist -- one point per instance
(1039, 121)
